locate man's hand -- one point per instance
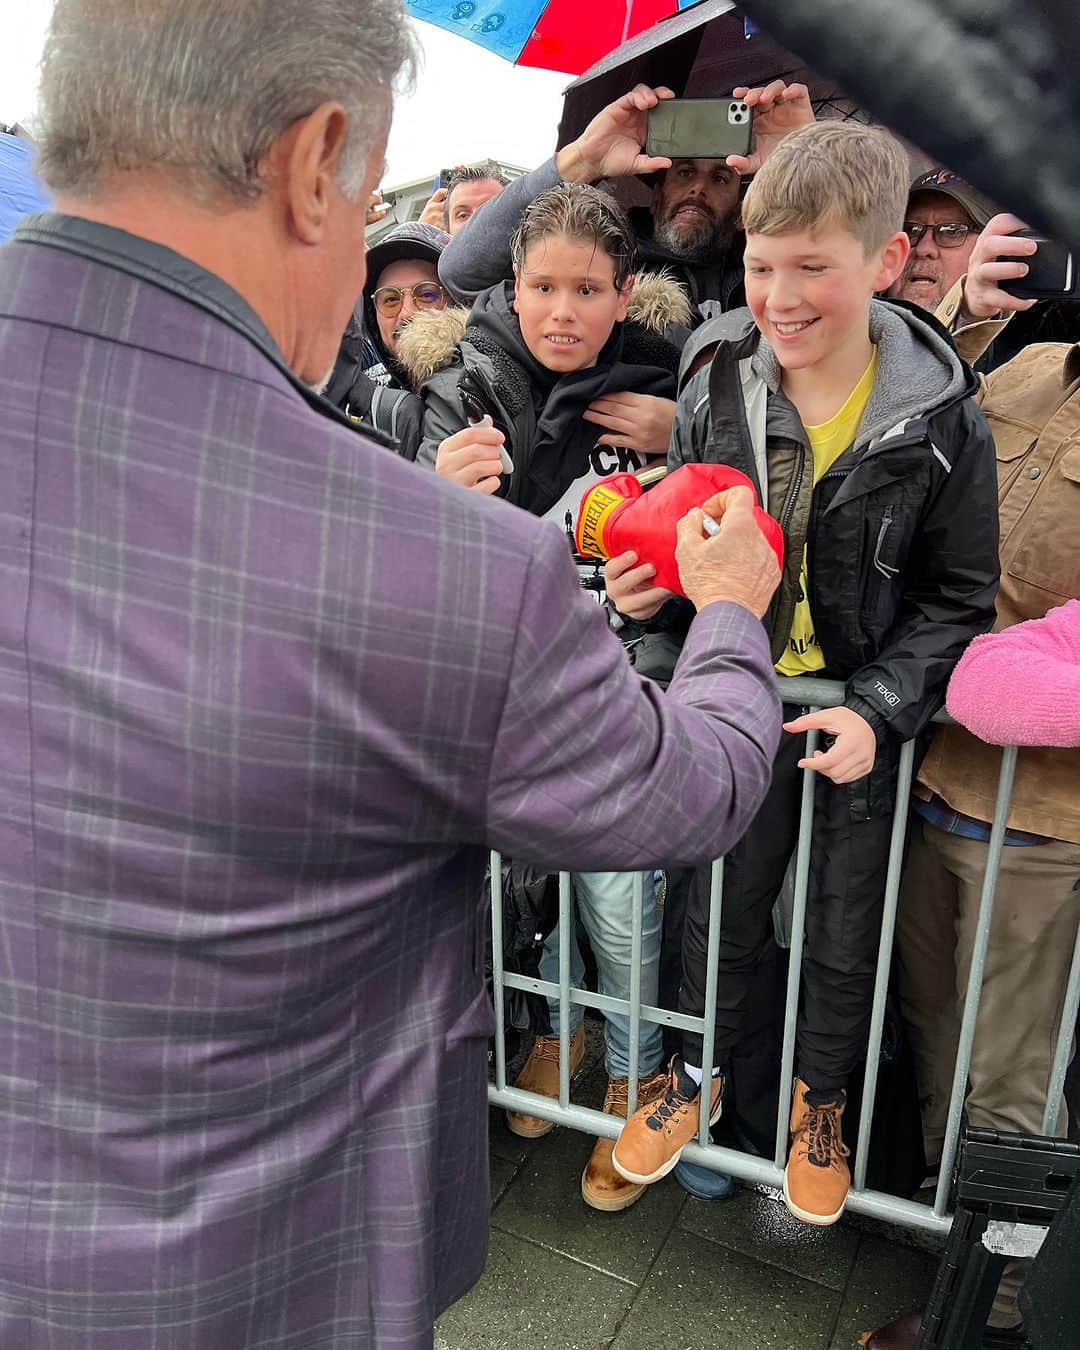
(629, 589)
(471, 457)
(983, 297)
(611, 145)
(737, 564)
(434, 212)
(640, 422)
(854, 746)
(779, 109)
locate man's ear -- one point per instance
(517, 288)
(308, 159)
(891, 260)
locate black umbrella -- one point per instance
(706, 50)
(990, 86)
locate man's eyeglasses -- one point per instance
(426, 295)
(949, 234)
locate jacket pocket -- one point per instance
(881, 553)
(1046, 555)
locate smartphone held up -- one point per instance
(700, 128)
(1052, 271)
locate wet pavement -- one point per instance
(671, 1272)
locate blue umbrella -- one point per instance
(21, 194)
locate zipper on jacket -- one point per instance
(884, 568)
(788, 508)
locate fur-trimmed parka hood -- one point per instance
(430, 340)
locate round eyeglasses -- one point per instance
(425, 294)
(949, 234)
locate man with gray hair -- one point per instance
(268, 694)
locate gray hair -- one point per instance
(205, 87)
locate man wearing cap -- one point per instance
(402, 281)
(943, 220)
(946, 218)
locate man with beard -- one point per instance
(689, 228)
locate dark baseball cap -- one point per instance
(978, 207)
(411, 240)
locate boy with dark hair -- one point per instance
(853, 417)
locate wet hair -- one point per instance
(840, 173)
(487, 172)
(580, 212)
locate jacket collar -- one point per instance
(1070, 371)
(170, 271)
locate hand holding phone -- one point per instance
(1000, 255)
(700, 128)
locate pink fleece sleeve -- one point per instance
(1022, 686)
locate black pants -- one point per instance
(848, 862)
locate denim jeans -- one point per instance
(605, 902)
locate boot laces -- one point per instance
(670, 1105)
(824, 1143)
(546, 1047)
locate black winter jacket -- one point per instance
(539, 412)
(901, 532)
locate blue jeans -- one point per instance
(605, 902)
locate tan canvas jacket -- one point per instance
(1033, 407)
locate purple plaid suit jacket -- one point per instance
(267, 693)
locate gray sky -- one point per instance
(468, 103)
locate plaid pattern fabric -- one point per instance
(266, 694)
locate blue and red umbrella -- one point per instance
(566, 35)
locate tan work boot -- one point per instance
(817, 1178)
(654, 1137)
(540, 1073)
(601, 1186)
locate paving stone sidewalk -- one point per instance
(672, 1272)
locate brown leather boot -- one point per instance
(817, 1178)
(899, 1335)
(540, 1073)
(601, 1186)
(652, 1140)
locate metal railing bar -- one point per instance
(712, 979)
(743, 1166)
(566, 934)
(605, 1002)
(635, 989)
(975, 976)
(1063, 1050)
(884, 959)
(497, 984)
(798, 935)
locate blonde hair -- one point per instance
(832, 173)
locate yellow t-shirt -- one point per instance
(828, 441)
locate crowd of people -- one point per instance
(279, 672)
(814, 318)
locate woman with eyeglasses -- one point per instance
(369, 382)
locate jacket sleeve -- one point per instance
(689, 432)
(595, 768)
(479, 256)
(442, 415)
(950, 584)
(1022, 686)
(972, 336)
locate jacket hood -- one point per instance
(429, 342)
(918, 371)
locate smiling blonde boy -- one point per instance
(853, 417)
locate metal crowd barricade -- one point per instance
(813, 694)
